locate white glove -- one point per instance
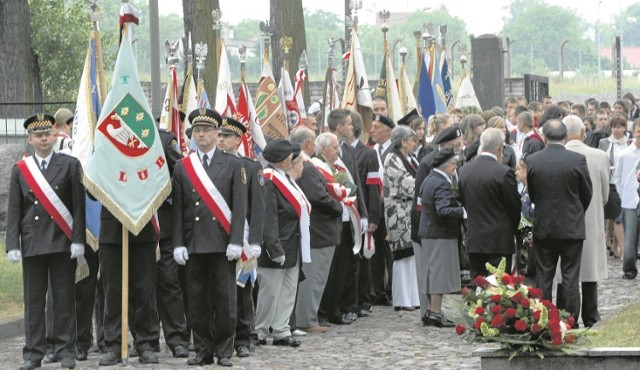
(279, 260)
(77, 250)
(234, 252)
(181, 255)
(364, 224)
(464, 213)
(255, 250)
(14, 255)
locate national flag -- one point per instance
(446, 78)
(268, 107)
(128, 14)
(407, 100)
(170, 119)
(189, 96)
(128, 171)
(357, 94)
(425, 91)
(393, 97)
(299, 78)
(225, 99)
(252, 141)
(438, 88)
(330, 96)
(466, 94)
(88, 107)
(294, 117)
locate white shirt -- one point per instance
(624, 176)
(209, 155)
(40, 159)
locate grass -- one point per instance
(11, 302)
(620, 330)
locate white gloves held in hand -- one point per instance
(255, 250)
(233, 252)
(77, 250)
(181, 255)
(14, 255)
(279, 260)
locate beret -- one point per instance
(277, 150)
(448, 134)
(442, 156)
(384, 120)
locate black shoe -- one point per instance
(68, 362)
(200, 360)
(352, 316)
(29, 365)
(148, 357)
(180, 352)
(286, 341)
(261, 342)
(426, 319)
(440, 321)
(50, 358)
(225, 361)
(242, 351)
(629, 275)
(109, 359)
(133, 352)
(82, 354)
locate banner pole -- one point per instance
(125, 295)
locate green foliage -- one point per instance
(11, 302)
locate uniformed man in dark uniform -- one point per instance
(209, 199)
(229, 138)
(168, 290)
(46, 226)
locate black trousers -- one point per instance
(590, 313)
(85, 300)
(478, 261)
(365, 292)
(211, 283)
(548, 251)
(246, 315)
(341, 291)
(98, 311)
(142, 295)
(381, 266)
(169, 298)
(36, 272)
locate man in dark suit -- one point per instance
(168, 291)
(489, 194)
(371, 186)
(229, 137)
(47, 242)
(325, 214)
(209, 199)
(340, 298)
(560, 187)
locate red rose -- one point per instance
(517, 297)
(524, 303)
(570, 338)
(479, 322)
(480, 281)
(520, 326)
(535, 292)
(496, 309)
(460, 329)
(506, 279)
(497, 321)
(510, 313)
(464, 291)
(536, 315)
(556, 341)
(479, 311)
(554, 314)
(517, 280)
(496, 298)
(571, 321)
(536, 328)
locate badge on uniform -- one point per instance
(174, 144)
(260, 178)
(243, 174)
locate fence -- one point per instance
(12, 116)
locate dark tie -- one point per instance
(611, 155)
(43, 165)
(205, 161)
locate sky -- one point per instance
(481, 16)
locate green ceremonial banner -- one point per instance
(128, 171)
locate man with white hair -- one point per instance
(325, 216)
(593, 266)
(490, 196)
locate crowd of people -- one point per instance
(335, 224)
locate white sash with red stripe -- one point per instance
(340, 193)
(45, 194)
(299, 202)
(208, 191)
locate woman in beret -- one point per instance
(399, 189)
(439, 232)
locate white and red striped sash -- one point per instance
(208, 191)
(50, 201)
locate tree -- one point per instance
(288, 17)
(19, 67)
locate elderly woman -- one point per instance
(439, 231)
(399, 187)
(286, 243)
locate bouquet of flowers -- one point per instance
(343, 179)
(501, 309)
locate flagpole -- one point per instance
(125, 296)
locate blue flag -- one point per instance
(446, 80)
(438, 89)
(425, 92)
